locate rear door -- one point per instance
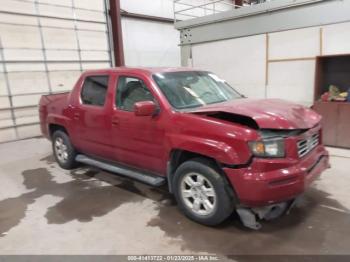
(92, 118)
(138, 140)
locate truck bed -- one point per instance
(51, 104)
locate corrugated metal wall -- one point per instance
(44, 46)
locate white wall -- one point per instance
(156, 46)
(162, 8)
(274, 65)
(240, 61)
(149, 43)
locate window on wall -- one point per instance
(94, 90)
(131, 90)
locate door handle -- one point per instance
(76, 116)
(115, 121)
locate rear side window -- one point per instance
(94, 90)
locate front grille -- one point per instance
(305, 146)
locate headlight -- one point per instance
(268, 148)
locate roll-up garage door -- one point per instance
(44, 47)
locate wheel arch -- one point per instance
(179, 156)
(58, 122)
(55, 127)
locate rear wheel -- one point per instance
(202, 193)
(63, 150)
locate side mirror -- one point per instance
(145, 108)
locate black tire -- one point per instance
(225, 200)
(69, 162)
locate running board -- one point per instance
(142, 177)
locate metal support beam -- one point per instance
(117, 33)
(274, 16)
(147, 17)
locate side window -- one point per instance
(94, 90)
(131, 90)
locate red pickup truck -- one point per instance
(217, 150)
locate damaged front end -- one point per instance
(250, 217)
(285, 155)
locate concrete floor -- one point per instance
(47, 210)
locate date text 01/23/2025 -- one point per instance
(174, 258)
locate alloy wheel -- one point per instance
(198, 194)
(61, 150)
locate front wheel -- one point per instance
(63, 150)
(202, 193)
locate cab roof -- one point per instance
(147, 70)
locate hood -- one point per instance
(267, 113)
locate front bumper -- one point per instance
(269, 181)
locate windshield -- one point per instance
(194, 89)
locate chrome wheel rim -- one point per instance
(198, 194)
(61, 150)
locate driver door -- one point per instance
(138, 140)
